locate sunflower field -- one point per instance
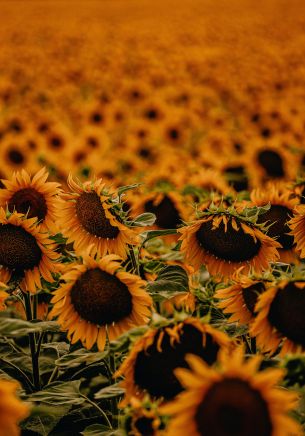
(152, 218)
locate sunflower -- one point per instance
(280, 319)
(210, 180)
(98, 296)
(149, 367)
(167, 206)
(87, 219)
(269, 161)
(231, 399)
(15, 156)
(12, 409)
(142, 418)
(297, 226)
(278, 216)
(25, 251)
(240, 297)
(34, 197)
(225, 242)
(3, 296)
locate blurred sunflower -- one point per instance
(12, 410)
(3, 296)
(35, 198)
(297, 226)
(277, 217)
(15, 156)
(151, 362)
(231, 399)
(225, 242)
(142, 418)
(100, 298)
(240, 297)
(25, 251)
(280, 319)
(87, 219)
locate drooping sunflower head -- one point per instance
(239, 299)
(277, 217)
(224, 241)
(231, 399)
(87, 217)
(33, 197)
(150, 366)
(141, 418)
(12, 410)
(99, 297)
(280, 318)
(25, 251)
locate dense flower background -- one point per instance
(152, 218)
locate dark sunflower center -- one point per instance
(144, 426)
(15, 156)
(232, 407)
(237, 177)
(286, 313)
(279, 217)
(167, 216)
(91, 215)
(30, 201)
(154, 370)
(272, 163)
(250, 295)
(230, 245)
(101, 298)
(18, 248)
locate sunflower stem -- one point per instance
(135, 263)
(113, 401)
(32, 342)
(98, 408)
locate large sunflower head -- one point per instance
(33, 197)
(87, 217)
(12, 410)
(25, 251)
(150, 366)
(277, 217)
(224, 241)
(280, 318)
(100, 297)
(240, 297)
(231, 399)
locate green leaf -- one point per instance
(109, 392)
(78, 357)
(128, 188)
(122, 343)
(44, 418)
(143, 220)
(18, 327)
(95, 430)
(172, 278)
(150, 234)
(59, 393)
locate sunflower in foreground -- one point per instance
(225, 242)
(277, 217)
(231, 399)
(280, 319)
(25, 251)
(297, 226)
(12, 410)
(35, 198)
(3, 296)
(150, 366)
(239, 299)
(100, 298)
(87, 219)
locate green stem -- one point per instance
(53, 375)
(32, 342)
(99, 409)
(135, 263)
